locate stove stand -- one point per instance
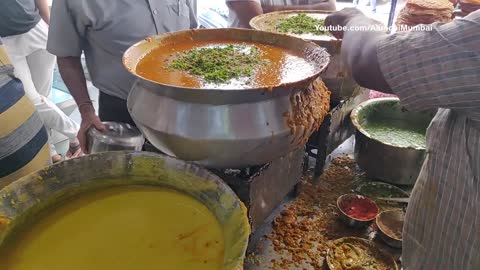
(335, 129)
(263, 188)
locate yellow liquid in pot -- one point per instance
(134, 228)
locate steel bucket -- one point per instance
(226, 128)
(383, 160)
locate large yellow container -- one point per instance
(27, 201)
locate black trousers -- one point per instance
(113, 109)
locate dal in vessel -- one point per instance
(396, 133)
(381, 190)
(352, 253)
(161, 65)
(129, 227)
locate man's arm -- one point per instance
(66, 40)
(359, 51)
(72, 74)
(245, 11)
(427, 68)
(43, 9)
(328, 5)
(359, 48)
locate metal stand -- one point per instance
(335, 129)
(392, 14)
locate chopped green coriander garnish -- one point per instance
(302, 24)
(219, 64)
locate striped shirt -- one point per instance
(23, 137)
(6, 69)
(440, 69)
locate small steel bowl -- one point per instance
(342, 204)
(390, 225)
(376, 254)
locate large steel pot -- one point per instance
(336, 77)
(383, 160)
(223, 128)
(22, 201)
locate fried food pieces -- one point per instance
(418, 12)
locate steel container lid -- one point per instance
(118, 134)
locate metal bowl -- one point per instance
(336, 77)
(375, 190)
(22, 201)
(116, 137)
(222, 128)
(379, 189)
(390, 225)
(383, 160)
(342, 202)
(379, 255)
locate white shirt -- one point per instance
(104, 29)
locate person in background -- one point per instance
(24, 30)
(436, 70)
(242, 11)
(23, 138)
(104, 30)
(373, 4)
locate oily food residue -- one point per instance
(359, 208)
(219, 64)
(355, 256)
(224, 64)
(302, 24)
(302, 233)
(308, 109)
(392, 227)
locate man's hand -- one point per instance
(43, 9)
(245, 11)
(89, 120)
(359, 48)
(340, 19)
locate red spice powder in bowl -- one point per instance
(356, 209)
